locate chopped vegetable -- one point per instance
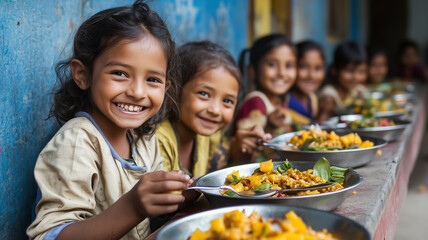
(235, 180)
(266, 166)
(264, 186)
(284, 166)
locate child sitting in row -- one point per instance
(301, 99)
(101, 176)
(272, 69)
(377, 65)
(346, 75)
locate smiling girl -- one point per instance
(346, 75)
(302, 100)
(272, 70)
(100, 176)
(191, 140)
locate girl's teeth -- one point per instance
(129, 108)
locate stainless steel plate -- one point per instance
(324, 201)
(341, 227)
(387, 133)
(346, 158)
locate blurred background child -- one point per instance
(409, 66)
(102, 167)
(377, 65)
(347, 73)
(272, 70)
(301, 99)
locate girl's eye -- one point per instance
(290, 65)
(228, 101)
(271, 64)
(154, 80)
(205, 94)
(119, 73)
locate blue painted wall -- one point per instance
(309, 21)
(34, 35)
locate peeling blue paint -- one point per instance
(34, 35)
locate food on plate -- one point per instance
(237, 225)
(285, 177)
(372, 105)
(325, 141)
(369, 121)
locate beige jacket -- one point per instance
(79, 178)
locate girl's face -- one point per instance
(208, 101)
(352, 75)
(378, 68)
(310, 72)
(277, 70)
(128, 84)
(410, 57)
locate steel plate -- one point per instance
(341, 227)
(346, 158)
(387, 133)
(324, 201)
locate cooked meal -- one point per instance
(325, 141)
(370, 121)
(371, 105)
(285, 177)
(237, 225)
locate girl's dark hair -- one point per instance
(305, 46)
(199, 57)
(96, 35)
(350, 52)
(405, 44)
(373, 52)
(260, 48)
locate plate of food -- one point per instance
(388, 129)
(282, 175)
(264, 221)
(379, 107)
(348, 150)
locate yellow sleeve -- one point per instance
(168, 145)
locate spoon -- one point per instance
(262, 193)
(248, 193)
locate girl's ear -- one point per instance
(80, 76)
(167, 85)
(251, 72)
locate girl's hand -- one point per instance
(276, 118)
(152, 196)
(245, 143)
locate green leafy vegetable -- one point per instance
(322, 169)
(284, 166)
(353, 146)
(235, 180)
(337, 174)
(257, 170)
(230, 193)
(265, 186)
(329, 173)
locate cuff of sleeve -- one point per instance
(54, 232)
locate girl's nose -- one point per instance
(282, 71)
(137, 89)
(214, 107)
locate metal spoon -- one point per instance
(262, 193)
(248, 193)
